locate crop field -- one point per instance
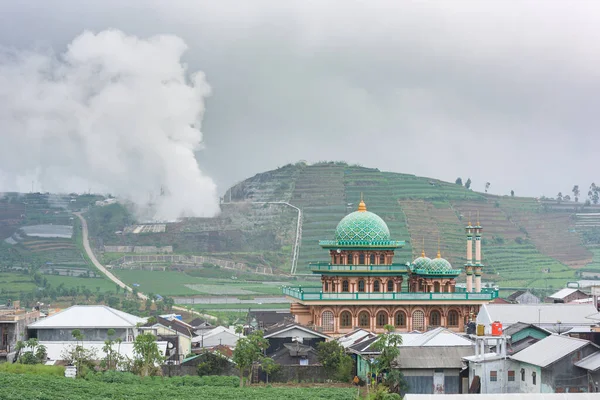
(35, 387)
(594, 265)
(174, 283)
(12, 283)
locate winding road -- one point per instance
(109, 275)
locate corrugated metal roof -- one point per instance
(562, 293)
(591, 363)
(508, 314)
(505, 396)
(434, 338)
(549, 350)
(433, 357)
(78, 317)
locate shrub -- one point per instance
(37, 369)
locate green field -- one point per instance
(174, 283)
(233, 306)
(36, 387)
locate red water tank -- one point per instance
(497, 329)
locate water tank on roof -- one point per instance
(497, 328)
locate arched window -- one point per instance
(345, 319)
(382, 259)
(350, 257)
(361, 285)
(376, 286)
(372, 259)
(523, 374)
(363, 319)
(390, 285)
(452, 318)
(381, 319)
(361, 259)
(435, 319)
(400, 319)
(326, 286)
(533, 378)
(418, 320)
(448, 288)
(327, 321)
(436, 287)
(345, 286)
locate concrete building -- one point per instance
(361, 286)
(93, 322)
(219, 336)
(550, 365)
(281, 335)
(431, 362)
(567, 295)
(552, 317)
(176, 333)
(13, 327)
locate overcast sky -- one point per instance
(504, 91)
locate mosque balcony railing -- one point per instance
(325, 266)
(315, 294)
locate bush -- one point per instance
(37, 369)
(129, 378)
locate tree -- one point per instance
(458, 181)
(468, 183)
(487, 186)
(169, 303)
(559, 197)
(77, 355)
(147, 356)
(512, 193)
(113, 358)
(566, 197)
(576, 192)
(335, 361)
(387, 344)
(249, 350)
(36, 355)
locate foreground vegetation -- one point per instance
(30, 387)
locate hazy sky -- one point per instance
(504, 91)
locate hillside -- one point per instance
(526, 242)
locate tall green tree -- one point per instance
(147, 356)
(458, 181)
(388, 344)
(468, 183)
(335, 361)
(576, 193)
(249, 350)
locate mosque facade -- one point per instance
(361, 286)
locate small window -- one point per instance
(390, 285)
(533, 378)
(382, 319)
(511, 376)
(363, 319)
(361, 259)
(327, 321)
(376, 286)
(372, 259)
(452, 318)
(523, 374)
(361, 285)
(435, 318)
(493, 376)
(350, 256)
(382, 259)
(345, 286)
(327, 286)
(345, 319)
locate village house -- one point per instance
(431, 362)
(175, 332)
(13, 327)
(523, 297)
(567, 295)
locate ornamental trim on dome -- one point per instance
(362, 226)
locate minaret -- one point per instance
(469, 264)
(478, 265)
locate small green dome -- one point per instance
(362, 226)
(439, 265)
(421, 262)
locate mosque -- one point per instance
(361, 286)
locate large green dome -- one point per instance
(362, 226)
(421, 262)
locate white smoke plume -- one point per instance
(113, 114)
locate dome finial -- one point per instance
(439, 255)
(469, 218)
(423, 252)
(362, 207)
(478, 218)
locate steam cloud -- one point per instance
(114, 114)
